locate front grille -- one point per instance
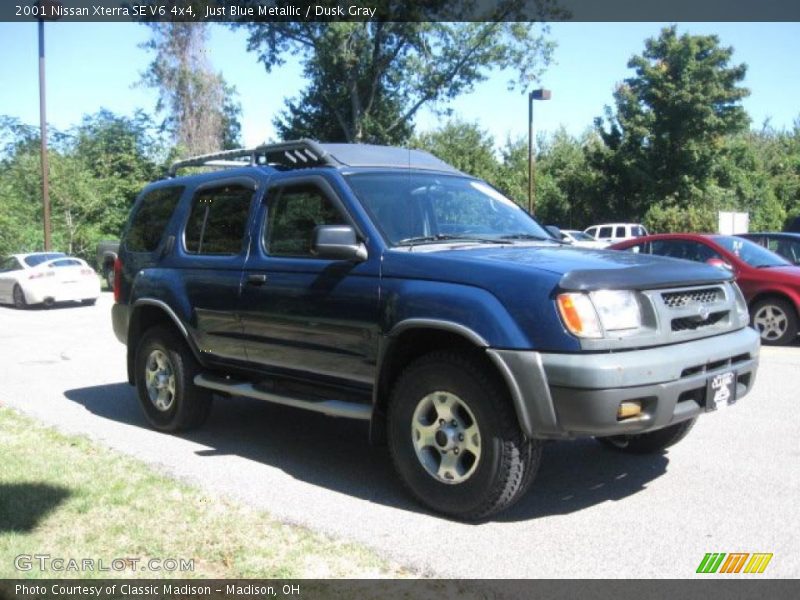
(692, 323)
(687, 298)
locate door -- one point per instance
(211, 258)
(302, 315)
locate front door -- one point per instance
(302, 315)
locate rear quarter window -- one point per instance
(151, 218)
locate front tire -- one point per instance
(19, 298)
(165, 371)
(653, 442)
(775, 319)
(455, 440)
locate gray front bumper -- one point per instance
(570, 395)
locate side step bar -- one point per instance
(332, 408)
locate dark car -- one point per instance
(785, 244)
(770, 283)
(382, 284)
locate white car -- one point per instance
(581, 239)
(47, 278)
(616, 232)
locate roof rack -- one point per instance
(296, 154)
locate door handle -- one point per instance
(256, 278)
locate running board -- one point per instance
(332, 408)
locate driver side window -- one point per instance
(293, 214)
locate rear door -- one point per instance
(210, 258)
(303, 315)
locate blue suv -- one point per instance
(382, 284)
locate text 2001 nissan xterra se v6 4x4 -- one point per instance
(382, 284)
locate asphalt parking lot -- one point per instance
(731, 486)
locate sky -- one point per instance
(96, 65)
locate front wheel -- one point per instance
(165, 371)
(455, 440)
(775, 320)
(651, 442)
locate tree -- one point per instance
(96, 170)
(368, 80)
(202, 113)
(663, 140)
(464, 145)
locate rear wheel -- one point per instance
(775, 319)
(652, 442)
(19, 298)
(455, 440)
(109, 275)
(165, 371)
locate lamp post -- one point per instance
(49, 11)
(540, 94)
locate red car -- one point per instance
(770, 283)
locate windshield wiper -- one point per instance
(530, 236)
(445, 237)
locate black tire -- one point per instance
(188, 406)
(652, 442)
(89, 301)
(19, 298)
(507, 462)
(775, 319)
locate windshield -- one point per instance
(753, 254)
(413, 208)
(37, 259)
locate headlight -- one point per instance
(594, 314)
(741, 303)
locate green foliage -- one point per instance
(670, 122)
(367, 80)
(464, 145)
(95, 172)
(673, 219)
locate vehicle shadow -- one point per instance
(336, 454)
(23, 505)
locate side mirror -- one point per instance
(554, 232)
(719, 263)
(337, 242)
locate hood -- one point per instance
(573, 268)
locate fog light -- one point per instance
(628, 409)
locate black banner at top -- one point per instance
(399, 10)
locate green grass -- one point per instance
(68, 497)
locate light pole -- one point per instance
(540, 94)
(49, 7)
(43, 126)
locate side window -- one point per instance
(218, 221)
(9, 264)
(639, 248)
(592, 231)
(669, 248)
(620, 232)
(699, 252)
(152, 216)
(293, 213)
(605, 232)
